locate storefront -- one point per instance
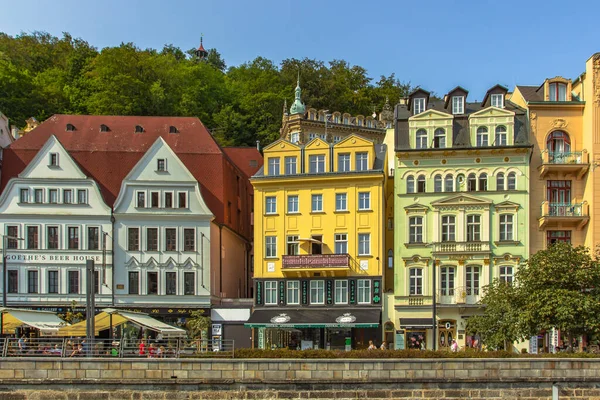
(414, 333)
(331, 329)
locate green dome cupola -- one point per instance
(298, 107)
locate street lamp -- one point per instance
(5, 238)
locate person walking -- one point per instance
(371, 346)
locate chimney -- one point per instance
(15, 132)
(258, 145)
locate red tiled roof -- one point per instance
(242, 157)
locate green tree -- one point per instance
(72, 316)
(197, 324)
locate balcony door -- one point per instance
(559, 196)
(558, 142)
(316, 244)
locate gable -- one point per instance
(431, 115)
(353, 141)
(280, 145)
(147, 168)
(317, 144)
(461, 199)
(492, 112)
(65, 168)
(416, 208)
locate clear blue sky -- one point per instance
(434, 44)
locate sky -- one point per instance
(433, 44)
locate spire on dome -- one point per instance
(201, 53)
(298, 107)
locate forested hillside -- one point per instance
(41, 75)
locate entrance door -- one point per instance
(446, 332)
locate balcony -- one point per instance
(458, 296)
(574, 162)
(450, 248)
(559, 215)
(328, 264)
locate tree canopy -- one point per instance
(41, 75)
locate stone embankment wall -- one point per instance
(92, 379)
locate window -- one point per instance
(189, 283)
(458, 105)
(506, 227)
(290, 166)
(341, 243)
(271, 205)
(152, 284)
(558, 92)
(292, 204)
(173, 129)
(93, 238)
(32, 281)
(170, 239)
(151, 239)
(312, 136)
(421, 184)
(293, 292)
(317, 292)
(497, 100)
(512, 181)
(501, 136)
(12, 230)
(410, 184)
(500, 181)
(473, 228)
(292, 245)
(161, 165)
(141, 199)
(133, 239)
(24, 197)
(54, 159)
(364, 200)
(506, 274)
(73, 232)
(294, 137)
(471, 183)
(346, 121)
(437, 183)
(415, 281)
(415, 230)
(270, 246)
(557, 143)
(317, 203)
(32, 237)
(171, 283)
(337, 139)
(67, 196)
(364, 244)
(134, 282)
(557, 236)
(343, 162)
(418, 105)
(449, 183)
(73, 277)
(273, 166)
(104, 128)
(53, 196)
(421, 139)
(390, 259)
(52, 281)
(364, 291)
(362, 161)
(13, 281)
(271, 292)
(154, 199)
(189, 239)
(341, 292)
(52, 237)
(482, 137)
(316, 164)
(182, 199)
(168, 199)
(139, 129)
(472, 280)
(447, 281)
(81, 196)
(38, 195)
(316, 244)
(341, 203)
(70, 127)
(483, 182)
(448, 228)
(439, 139)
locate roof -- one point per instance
(531, 93)
(248, 159)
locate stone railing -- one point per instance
(461, 247)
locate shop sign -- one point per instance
(376, 291)
(261, 338)
(217, 329)
(282, 292)
(329, 291)
(352, 293)
(304, 292)
(53, 258)
(533, 345)
(399, 340)
(259, 290)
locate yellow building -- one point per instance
(319, 244)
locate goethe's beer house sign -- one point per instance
(53, 258)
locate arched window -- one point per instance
(483, 182)
(482, 137)
(512, 181)
(421, 184)
(390, 259)
(439, 139)
(471, 183)
(437, 183)
(558, 142)
(558, 92)
(139, 129)
(70, 127)
(501, 136)
(449, 183)
(421, 139)
(410, 184)
(104, 128)
(500, 181)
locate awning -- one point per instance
(416, 323)
(319, 318)
(312, 240)
(102, 321)
(47, 322)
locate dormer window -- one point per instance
(139, 129)
(70, 127)
(418, 105)
(497, 100)
(458, 104)
(558, 92)
(161, 165)
(53, 160)
(104, 128)
(173, 129)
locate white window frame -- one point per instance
(439, 138)
(270, 207)
(318, 160)
(164, 161)
(270, 246)
(24, 195)
(458, 104)
(497, 100)
(415, 280)
(341, 291)
(273, 166)
(418, 105)
(364, 201)
(504, 225)
(270, 293)
(363, 291)
(56, 162)
(291, 165)
(364, 244)
(35, 192)
(86, 199)
(448, 223)
(473, 227)
(501, 137)
(295, 137)
(185, 193)
(172, 198)
(318, 286)
(137, 193)
(292, 240)
(447, 280)
(56, 198)
(506, 274)
(293, 288)
(316, 202)
(482, 135)
(449, 179)
(362, 161)
(293, 204)
(342, 239)
(500, 181)
(472, 279)
(511, 181)
(344, 162)
(341, 199)
(421, 139)
(417, 225)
